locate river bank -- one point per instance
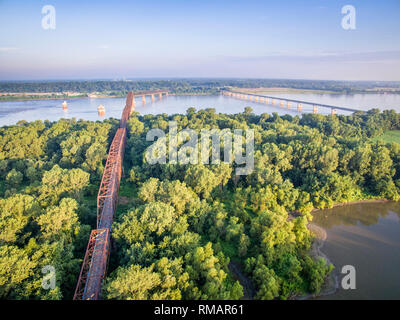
(33, 98)
(342, 204)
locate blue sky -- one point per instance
(174, 38)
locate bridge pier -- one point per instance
(315, 109)
(133, 104)
(282, 103)
(288, 104)
(299, 107)
(333, 112)
(143, 99)
(273, 101)
(101, 110)
(152, 98)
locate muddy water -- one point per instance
(366, 236)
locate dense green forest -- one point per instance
(179, 228)
(190, 86)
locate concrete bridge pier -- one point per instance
(133, 104)
(273, 101)
(333, 112)
(315, 109)
(288, 104)
(160, 95)
(152, 98)
(282, 103)
(299, 107)
(143, 99)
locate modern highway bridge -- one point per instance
(283, 102)
(152, 94)
(95, 262)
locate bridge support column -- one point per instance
(144, 99)
(261, 99)
(266, 100)
(273, 101)
(166, 94)
(315, 109)
(333, 112)
(299, 107)
(288, 105)
(152, 98)
(133, 104)
(251, 98)
(256, 99)
(282, 103)
(160, 95)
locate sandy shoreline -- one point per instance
(342, 204)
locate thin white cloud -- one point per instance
(7, 49)
(374, 56)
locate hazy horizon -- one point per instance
(190, 78)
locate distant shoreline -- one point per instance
(98, 97)
(57, 98)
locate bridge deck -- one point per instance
(94, 265)
(297, 101)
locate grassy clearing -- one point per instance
(389, 137)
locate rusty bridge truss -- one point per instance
(95, 262)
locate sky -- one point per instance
(222, 39)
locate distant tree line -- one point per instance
(187, 86)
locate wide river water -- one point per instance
(85, 108)
(366, 236)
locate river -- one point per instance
(366, 236)
(84, 108)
